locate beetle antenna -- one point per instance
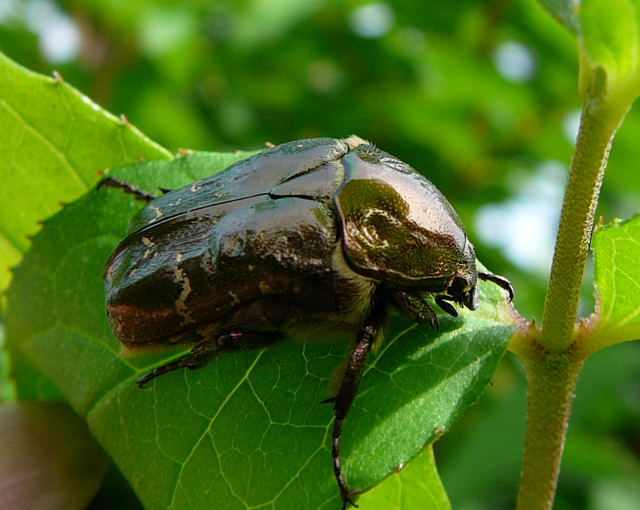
(500, 281)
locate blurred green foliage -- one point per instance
(479, 96)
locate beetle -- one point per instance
(311, 238)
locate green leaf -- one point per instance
(54, 141)
(609, 33)
(563, 11)
(247, 429)
(610, 51)
(415, 487)
(617, 278)
(6, 388)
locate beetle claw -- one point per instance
(146, 378)
(433, 321)
(156, 372)
(347, 499)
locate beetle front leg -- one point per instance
(200, 355)
(416, 307)
(206, 351)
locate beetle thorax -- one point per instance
(399, 230)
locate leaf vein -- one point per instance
(55, 150)
(207, 430)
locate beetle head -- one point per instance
(463, 288)
(399, 230)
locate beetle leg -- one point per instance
(446, 306)
(234, 342)
(205, 352)
(342, 404)
(349, 388)
(416, 307)
(199, 355)
(112, 182)
(500, 281)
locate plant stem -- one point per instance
(551, 361)
(597, 129)
(551, 381)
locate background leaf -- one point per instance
(610, 35)
(48, 458)
(610, 52)
(618, 283)
(416, 487)
(247, 429)
(54, 141)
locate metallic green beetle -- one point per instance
(313, 238)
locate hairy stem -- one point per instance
(597, 129)
(551, 381)
(551, 359)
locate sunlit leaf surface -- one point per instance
(617, 276)
(54, 142)
(415, 487)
